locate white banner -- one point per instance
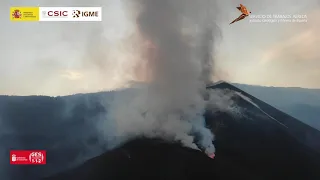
(70, 14)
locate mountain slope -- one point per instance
(266, 140)
(144, 159)
(300, 103)
(301, 131)
(263, 143)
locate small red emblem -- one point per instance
(16, 14)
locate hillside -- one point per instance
(264, 143)
(303, 104)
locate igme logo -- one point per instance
(78, 13)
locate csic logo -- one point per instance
(55, 13)
(78, 13)
(16, 14)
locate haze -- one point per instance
(60, 58)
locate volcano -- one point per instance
(264, 143)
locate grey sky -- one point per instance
(58, 58)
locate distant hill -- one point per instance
(303, 104)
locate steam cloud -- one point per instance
(172, 103)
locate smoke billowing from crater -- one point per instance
(180, 64)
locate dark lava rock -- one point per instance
(264, 143)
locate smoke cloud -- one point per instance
(180, 64)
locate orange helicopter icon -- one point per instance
(244, 14)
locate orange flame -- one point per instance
(212, 155)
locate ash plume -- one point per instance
(172, 103)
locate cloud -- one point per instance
(302, 45)
(294, 60)
(72, 75)
(35, 55)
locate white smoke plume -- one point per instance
(222, 100)
(172, 104)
